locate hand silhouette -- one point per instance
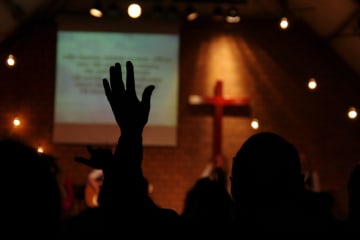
(130, 113)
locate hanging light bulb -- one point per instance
(96, 10)
(255, 123)
(284, 23)
(191, 13)
(10, 61)
(312, 83)
(16, 122)
(352, 113)
(233, 15)
(134, 10)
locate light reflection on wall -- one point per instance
(218, 59)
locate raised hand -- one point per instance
(98, 157)
(130, 113)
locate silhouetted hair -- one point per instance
(208, 203)
(266, 165)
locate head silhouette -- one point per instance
(31, 192)
(266, 171)
(208, 202)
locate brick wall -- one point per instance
(269, 66)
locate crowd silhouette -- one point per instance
(267, 191)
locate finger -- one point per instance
(83, 161)
(88, 162)
(116, 83)
(107, 90)
(108, 94)
(146, 96)
(130, 80)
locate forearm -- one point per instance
(124, 173)
(128, 154)
(124, 183)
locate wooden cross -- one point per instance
(218, 103)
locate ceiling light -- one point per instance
(96, 10)
(284, 23)
(191, 14)
(134, 10)
(232, 15)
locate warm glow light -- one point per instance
(96, 12)
(352, 113)
(40, 150)
(255, 123)
(284, 23)
(10, 61)
(195, 99)
(225, 47)
(16, 122)
(134, 10)
(312, 83)
(231, 19)
(150, 188)
(192, 16)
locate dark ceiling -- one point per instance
(335, 21)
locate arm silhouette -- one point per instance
(125, 189)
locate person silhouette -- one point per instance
(208, 202)
(32, 202)
(124, 193)
(90, 220)
(267, 185)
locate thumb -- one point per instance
(146, 96)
